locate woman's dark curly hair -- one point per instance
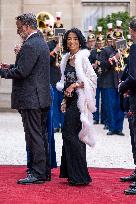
(81, 38)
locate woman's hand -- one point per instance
(72, 87)
(69, 90)
(63, 106)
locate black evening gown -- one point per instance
(73, 160)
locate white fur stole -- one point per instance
(86, 96)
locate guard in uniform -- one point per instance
(99, 115)
(58, 23)
(55, 75)
(118, 26)
(109, 35)
(91, 39)
(45, 23)
(124, 98)
(109, 58)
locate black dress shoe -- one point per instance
(130, 191)
(28, 171)
(95, 122)
(102, 122)
(133, 185)
(72, 183)
(111, 133)
(120, 133)
(132, 178)
(48, 177)
(105, 127)
(31, 179)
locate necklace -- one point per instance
(71, 56)
(72, 60)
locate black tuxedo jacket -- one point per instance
(30, 75)
(130, 81)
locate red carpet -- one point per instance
(105, 188)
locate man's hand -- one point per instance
(118, 55)
(4, 66)
(94, 65)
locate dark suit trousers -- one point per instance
(36, 140)
(132, 125)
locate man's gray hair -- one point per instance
(28, 19)
(132, 24)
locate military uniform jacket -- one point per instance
(93, 56)
(110, 78)
(30, 75)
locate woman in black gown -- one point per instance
(73, 160)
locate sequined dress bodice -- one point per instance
(70, 78)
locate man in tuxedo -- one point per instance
(31, 94)
(129, 86)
